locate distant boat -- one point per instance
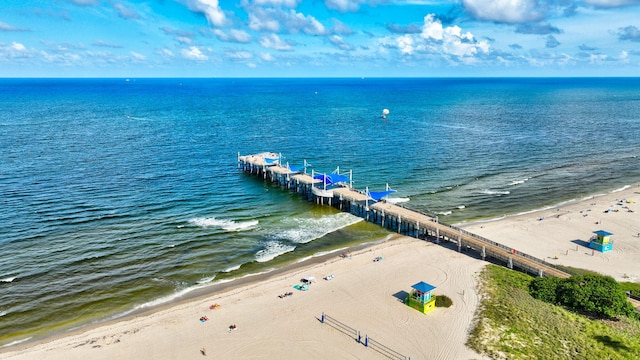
(385, 112)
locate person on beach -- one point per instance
(203, 351)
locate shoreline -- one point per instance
(292, 323)
(560, 234)
(561, 204)
(196, 294)
(551, 234)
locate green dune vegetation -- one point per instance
(587, 318)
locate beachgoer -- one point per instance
(203, 351)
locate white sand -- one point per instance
(363, 295)
(564, 232)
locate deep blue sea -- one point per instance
(120, 194)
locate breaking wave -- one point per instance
(272, 250)
(228, 225)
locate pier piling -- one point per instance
(390, 216)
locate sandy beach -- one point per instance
(363, 295)
(560, 235)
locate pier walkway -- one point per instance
(343, 196)
(391, 216)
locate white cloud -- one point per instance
(339, 42)
(85, 2)
(299, 22)
(63, 59)
(344, 5)
(453, 41)
(238, 36)
(597, 58)
(102, 43)
(15, 51)
(611, 3)
(7, 27)
(194, 53)
(210, 9)
(261, 20)
(432, 29)
(18, 47)
(166, 52)
(405, 44)
(624, 56)
(285, 3)
(184, 40)
(271, 19)
(125, 12)
(340, 28)
(273, 41)
(267, 57)
(450, 42)
(239, 55)
(138, 56)
(504, 11)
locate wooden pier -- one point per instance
(392, 216)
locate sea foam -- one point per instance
(228, 225)
(272, 250)
(304, 230)
(398, 200)
(16, 342)
(518, 182)
(495, 192)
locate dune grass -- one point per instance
(511, 324)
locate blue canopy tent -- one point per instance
(298, 168)
(271, 161)
(331, 179)
(377, 195)
(295, 168)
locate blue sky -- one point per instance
(319, 38)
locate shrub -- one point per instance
(592, 294)
(545, 289)
(443, 301)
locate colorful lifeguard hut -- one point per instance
(601, 241)
(420, 297)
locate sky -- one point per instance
(319, 38)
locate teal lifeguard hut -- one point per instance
(601, 241)
(420, 297)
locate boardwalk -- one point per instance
(392, 216)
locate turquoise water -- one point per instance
(117, 195)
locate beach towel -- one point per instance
(302, 287)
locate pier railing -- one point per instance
(399, 217)
(476, 236)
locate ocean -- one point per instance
(121, 194)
